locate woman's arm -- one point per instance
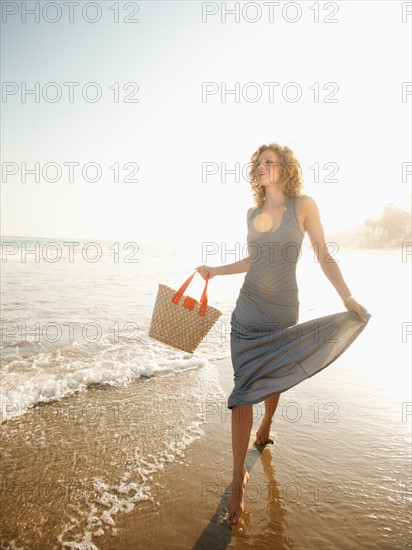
(207, 272)
(314, 228)
(242, 266)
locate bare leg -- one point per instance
(242, 420)
(262, 435)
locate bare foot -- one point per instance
(263, 433)
(236, 505)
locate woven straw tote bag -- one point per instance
(180, 321)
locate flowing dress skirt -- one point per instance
(271, 353)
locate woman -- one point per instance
(270, 351)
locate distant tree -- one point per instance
(368, 224)
(393, 221)
(394, 225)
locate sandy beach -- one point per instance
(126, 444)
(320, 486)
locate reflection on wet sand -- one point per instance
(219, 533)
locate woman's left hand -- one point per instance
(353, 305)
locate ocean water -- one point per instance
(77, 315)
(75, 321)
(87, 394)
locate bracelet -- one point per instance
(348, 299)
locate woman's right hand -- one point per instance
(206, 271)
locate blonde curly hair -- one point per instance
(291, 177)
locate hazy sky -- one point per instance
(172, 132)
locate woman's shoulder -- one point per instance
(251, 210)
(305, 202)
(249, 213)
(306, 208)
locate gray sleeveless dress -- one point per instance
(270, 352)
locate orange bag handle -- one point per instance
(190, 302)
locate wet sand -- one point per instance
(310, 490)
(324, 484)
